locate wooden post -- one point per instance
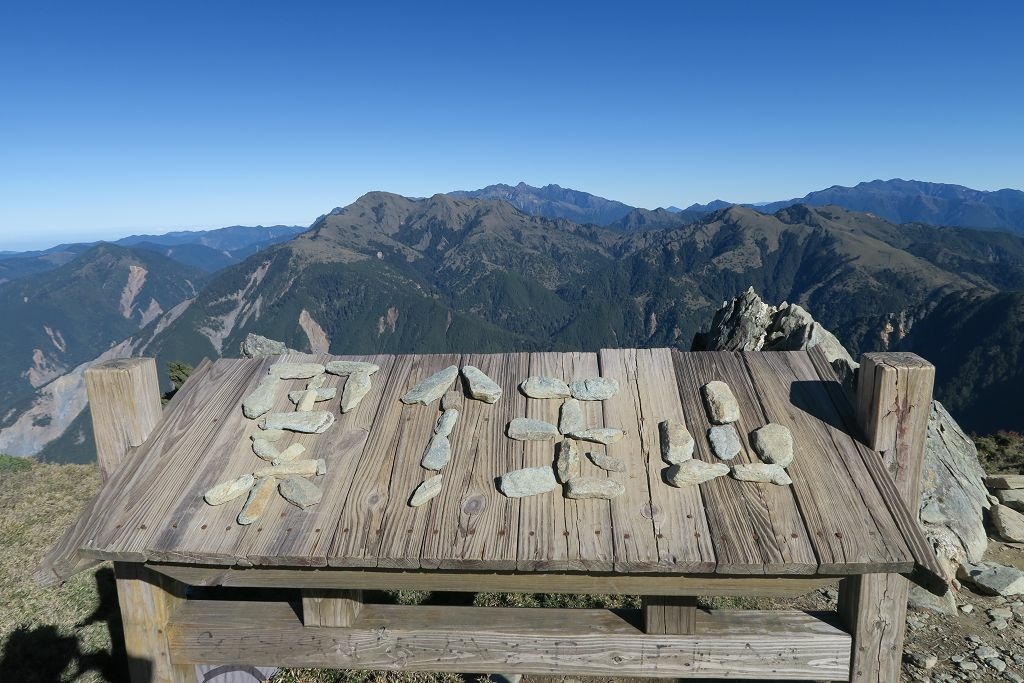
(894, 396)
(322, 607)
(670, 615)
(124, 399)
(147, 602)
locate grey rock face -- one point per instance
(289, 454)
(426, 490)
(261, 400)
(527, 429)
(607, 462)
(321, 394)
(312, 422)
(594, 388)
(774, 444)
(570, 417)
(725, 441)
(255, 346)
(350, 367)
(720, 403)
(270, 435)
(229, 490)
(356, 386)
(438, 453)
(446, 423)
(761, 472)
(296, 370)
(1013, 499)
(583, 488)
(1009, 523)
(433, 387)
(992, 579)
(567, 460)
(529, 481)
(676, 442)
(604, 435)
(544, 387)
(259, 498)
(296, 468)
(264, 449)
(480, 386)
(299, 491)
(691, 472)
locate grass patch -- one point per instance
(1001, 453)
(10, 463)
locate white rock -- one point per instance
(1011, 498)
(761, 472)
(426, 490)
(311, 422)
(259, 498)
(306, 402)
(296, 370)
(433, 387)
(993, 579)
(270, 435)
(527, 429)
(583, 488)
(261, 400)
(356, 386)
(725, 441)
(529, 481)
(438, 453)
(480, 386)
(295, 468)
(300, 492)
(446, 423)
(567, 460)
(350, 367)
(607, 462)
(289, 454)
(570, 417)
(316, 383)
(676, 442)
(264, 449)
(544, 387)
(603, 435)
(720, 403)
(594, 388)
(323, 394)
(774, 444)
(229, 490)
(1009, 523)
(692, 472)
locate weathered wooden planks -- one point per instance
(542, 641)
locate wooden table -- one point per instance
(847, 514)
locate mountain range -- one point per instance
(452, 272)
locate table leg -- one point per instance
(147, 601)
(670, 615)
(331, 607)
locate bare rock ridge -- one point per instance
(953, 495)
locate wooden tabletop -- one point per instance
(840, 516)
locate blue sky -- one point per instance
(137, 117)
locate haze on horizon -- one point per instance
(133, 119)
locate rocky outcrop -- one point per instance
(255, 346)
(953, 494)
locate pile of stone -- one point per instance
(570, 433)
(773, 443)
(439, 449)
(1007, 506)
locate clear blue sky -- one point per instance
(155, 116)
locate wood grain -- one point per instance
(147, 601)
(124, 402)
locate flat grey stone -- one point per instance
(259, 498)
(720, 403)
(1013, 499)
(570, 416)
(317, 382)
(438, 453)
(604, 435)
(446, 423)
(312, 422)
(350, 367)
(567, 460)
(583, 488)
(765, 473)
(295, 468)
(544, 387)
(426, 490)
(992, 579)
(607, 462)
(261, 400)
(451, 401)
(692, 472)
(1005, 481)
(480, 386)
(264, 449)
(322, 394)
(594, 388)
(291, 453)
(296, 370)
(229, 490)
(1009, 523)
(922, 660)
(725, 441)
(270, 435)
(433, 387)
(528, 429)
(676, 442)
(529, 481)
(773, 444)
(356, 386)
(299, 491)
